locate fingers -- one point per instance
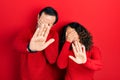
(83, 49)
(80, 47)
(46, 32)
(49, 42)
(79, 53)
(74, 50)
(76, 46)
(36, 32)
(70, 36)
(73, 58)
(84, 54)
(42, 28)
(40, 21)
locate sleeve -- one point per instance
(22, 40)
(51, 52)
(62, 61)
(94, 61)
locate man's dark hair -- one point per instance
(84, 35)
(49, 11)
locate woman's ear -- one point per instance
(66, 34)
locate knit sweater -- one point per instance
(76, 71)
(37, 65)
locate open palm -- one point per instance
(38, 41)
(79, 53)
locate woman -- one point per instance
(78, 55)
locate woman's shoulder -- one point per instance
(94, 49)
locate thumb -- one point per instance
(72, 58)
(50, 41)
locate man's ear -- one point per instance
(38, 17)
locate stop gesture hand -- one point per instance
(79, 53)
(38, 41)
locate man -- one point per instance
(40, 47)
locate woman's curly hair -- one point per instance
(84, 35)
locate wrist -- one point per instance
(69, 41)
(29, 50)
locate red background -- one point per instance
(100, 17)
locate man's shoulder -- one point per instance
(53, 31)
